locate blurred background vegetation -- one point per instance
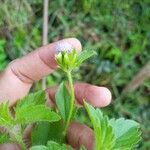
(119, 30)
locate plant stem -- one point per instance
(45, 32)
(21, 144)
(16, 137)
(72, 101)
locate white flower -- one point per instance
(63, 47)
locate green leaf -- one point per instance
(3, 56)
(32, 108)
(127, 133)
(4, 138)
(40, 133)
(85, 55)
(104, 136)
(39, 147)
(51, 145)
(56, 132)
(32, 99)
(46, 131)
(55, 146)
(113, 134)
(5, 115)
(31, 114)
(63, 101)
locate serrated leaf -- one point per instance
(127, 133)
(56, 132)
(104, 136)
(85, 55)
(51, 145)
(40, 133)
(63, 101)
(39, 147)
(55, 146)
(46, 131)
(5, 115)
(31, 114)
(32, 99)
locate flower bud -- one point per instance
(66, 60)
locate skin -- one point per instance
(17, 79)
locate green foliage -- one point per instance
(16, 13)
(37, 110)
(46, 131)
(39, 147)
(66, 60)
(117, 30)
(104, 136)
(6, 119)
(51, 146)
(126, 132)
(4, 138)
(35, 113)
(3, 56)
(85, 55)
(113, 134)
(109, 134)
(40, 134)
(63, 101)
(29, 110)
(33, 99)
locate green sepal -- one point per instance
(85, 55)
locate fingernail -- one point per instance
(63, 46)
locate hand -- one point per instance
(17, 79)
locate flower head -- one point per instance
(66, 59)
(63, 47)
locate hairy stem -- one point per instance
(16, 137)
(20, 142)
(72, 101)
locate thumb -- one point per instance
(9, 147)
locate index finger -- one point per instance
(17, 79)
(41, 62)
(9, 147)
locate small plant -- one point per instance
(51, 126)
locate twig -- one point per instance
(45, 32)
(138, 79)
